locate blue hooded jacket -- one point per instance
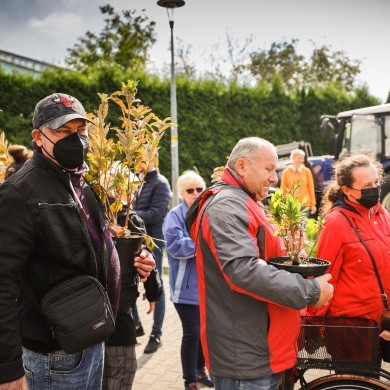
(183, 277)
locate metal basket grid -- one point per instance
(338, 343)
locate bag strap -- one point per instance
(384, 295)
(94, 210)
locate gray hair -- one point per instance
(187, 178)
(248, 148)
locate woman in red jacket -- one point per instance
(352, 199)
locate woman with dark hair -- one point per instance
(20, 155)
(354, 221)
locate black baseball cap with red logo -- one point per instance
(55, 110)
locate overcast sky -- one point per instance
(45, 29)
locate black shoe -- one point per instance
(154, 344)
(202, 376)
(139, 331)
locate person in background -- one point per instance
(151, 204)
(20, 154)
(49, 237)
(120, 361)
(249, 310)
(297, 172)
(354, 192)
(183, 280)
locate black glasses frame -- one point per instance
(192, 190)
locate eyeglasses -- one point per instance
(191, 190)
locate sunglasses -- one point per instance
(191, 190)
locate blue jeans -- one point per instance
(191, 349)
(159, 309)
(60, 371)
(266, 383)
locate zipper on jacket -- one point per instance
(58, 204)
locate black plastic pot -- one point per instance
(311, 268)
(127, 249)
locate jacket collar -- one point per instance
(151, 174)
(40, 160)
(293, 168)
(341, 203)
(357, 209)
(231, 177)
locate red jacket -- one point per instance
(356, 287)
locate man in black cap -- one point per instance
(49, 237)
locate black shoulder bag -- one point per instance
(385, 345)
(78, 310)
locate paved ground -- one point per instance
(162, 370)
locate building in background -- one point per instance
(10, 63)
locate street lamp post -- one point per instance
(170, 5)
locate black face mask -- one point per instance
(70, 151)
(370, 197)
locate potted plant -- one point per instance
(288, 215)
(113, 163)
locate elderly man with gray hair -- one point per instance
(249, 310)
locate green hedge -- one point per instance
(211, 116)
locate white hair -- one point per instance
(187, 178)
(297, 152)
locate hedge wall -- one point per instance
(211, 116)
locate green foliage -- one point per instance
(124, 42)
(329, 66)
(281, 59)
(324, 67)
(211, 116)
(313, 226)
(287, 213)
(311, 231)
(112, 164)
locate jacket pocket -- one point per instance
(62, 227)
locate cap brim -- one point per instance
(58, 122)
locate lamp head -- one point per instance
(170, 3)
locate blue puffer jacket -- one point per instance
(152, 204)
(181, 258)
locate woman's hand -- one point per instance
(151, 304)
